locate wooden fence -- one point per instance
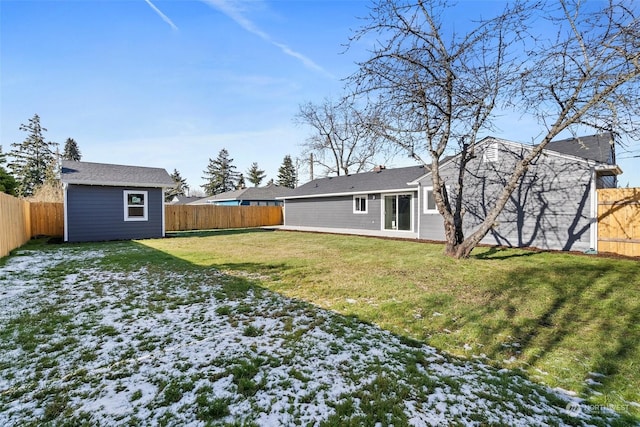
(205, 217)
(15, 223)
(21, 220)
(619, 221)
(47, 219)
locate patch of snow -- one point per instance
(143, 345)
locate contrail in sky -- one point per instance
(164, 17)
(229, 8)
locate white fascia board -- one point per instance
(614, 169)
(351, 193)
(65, 215)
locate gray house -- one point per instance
(250, 196)
(378, 203)
(554, 206)
(113, 202)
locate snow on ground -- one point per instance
(85, 340)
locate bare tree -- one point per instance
(439, 90)
(341, 141)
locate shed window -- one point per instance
(359, 204)
(136, 205)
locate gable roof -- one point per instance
(600, 147)
(360, 183)
(586, 149)
(179, 199)
(87, 173)
(270, 192)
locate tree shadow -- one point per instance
(584, 314)
(218, 232)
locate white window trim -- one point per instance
(425, 208)
(491, 153)
(364, 197)
(382, 212)
(145, 206)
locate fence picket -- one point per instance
(205, 217)
(15, 223)
(619, 221)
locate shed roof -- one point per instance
(270, 192)
(375, 181)
(87, 173)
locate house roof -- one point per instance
(183, 200)
(87, 173)
(360, 183)
(598, 147)
(270, 192)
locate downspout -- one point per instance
(65, 216)
(420, 207)
(164, 208)
(593, 228)
(284, 212)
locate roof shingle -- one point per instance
(87, 173)
(383, 180)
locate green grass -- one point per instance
(559, 317)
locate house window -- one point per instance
(360, 204)
(429, 201)
(490, 154)
(136, 205)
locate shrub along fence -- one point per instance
(619, 221)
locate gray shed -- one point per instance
(113, 202)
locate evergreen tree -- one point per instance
(180, 188)
(8, 183)
(221, 175)
(71, 150)
(256, 175)
(34, 161)
(241, 183)
(287, 176)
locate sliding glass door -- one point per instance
(397, 212)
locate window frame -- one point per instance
(491, 153)
(357, 205)
(425, 205)
(145, 205)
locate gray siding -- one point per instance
(336, 213)
(550, 209)
(96, 213)
(332, 212)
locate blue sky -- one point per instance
(170, 83)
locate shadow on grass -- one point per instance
(217, 232)
(495, 253)
(578, 314)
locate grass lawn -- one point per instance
(189, 331)
(569, 321)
